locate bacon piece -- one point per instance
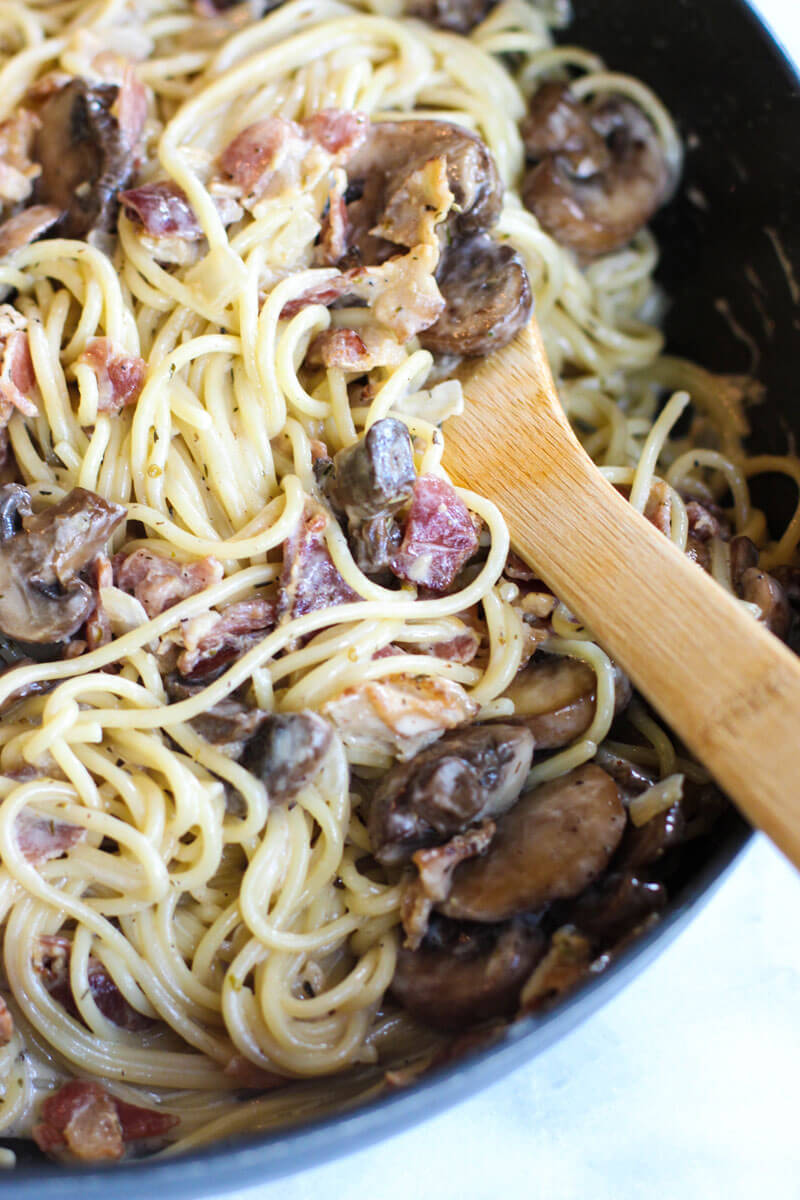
(164, 211)
(26, 227)
(84, 1118)
(6, 1023)
(18, 171)
(120, 376)
(17, 378)
(349, 350)
(398, 716)
(436, 865)
(158, 582)
(238, 627)
(403, 292)
(461, 649)
(309, 580)
(265, 158)
(250, 1076)
(439, 536)
(51, 959)
(338, 131)
(98, 625)
(40, 838)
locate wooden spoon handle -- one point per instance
(728, 687)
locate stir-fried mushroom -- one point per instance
(757, 587)
(287, 751)
(229, 722)
(549, 846)
(555, 698)
(42, 599)
(375, 475)
(86, 147)
(690, 817)
(487, 295)
(611, 908)
(394, 196)
(599, 171)
(464, 974)
(457, 16)
(468, 774)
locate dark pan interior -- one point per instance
(730, 236)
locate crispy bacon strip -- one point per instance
(41, 839)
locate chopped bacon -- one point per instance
(158, 582)
(18, 171)
(349, 350)
(515, 568)
(398, 716)
(51, 958)
(338, 131)
(6, 1023)
(402, 291)
(309, 580)
(265, 158)
(439, 536)
(120, 376)
(26, 227)
(461, 649)
(250, 1076)
(436, 865)
(164, 211)
(238, 627)
(40, 838)
(17, 378)
(85, 1119)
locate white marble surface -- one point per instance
(683, 1086)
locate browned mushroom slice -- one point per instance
(555, 697)
(693, 816)
(601, 173)
(375, 475)
(86, 153)
(287, 751)
(474, 772)
(757, 587)
(42, 600)
(463, 975)
(614, 906)
(457, 16)
(550, 846)
(487, 296)
(384, 174)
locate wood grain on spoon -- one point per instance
(727, 687)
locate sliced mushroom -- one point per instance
(42, 600)
(457, 16)
(375, 475)
(85, 154)
(614, 906)
(600, 172)
(487, 295)
(462, 975)
(226, 723)
(551, 845)
(757, 587)
(469, 773)
(384, 181)
(374, 543)
(555, 698)
(287, 751)
(693, 816)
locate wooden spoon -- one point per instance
(726, 686)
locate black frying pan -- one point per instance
(737, 102)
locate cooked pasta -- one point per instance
(248, 941)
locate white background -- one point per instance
(684, 1087)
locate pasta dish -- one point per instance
(306, 779)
